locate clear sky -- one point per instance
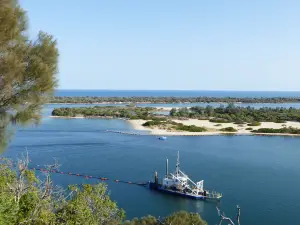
(173, 44)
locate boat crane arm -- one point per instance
(198, 185)
(187, 177)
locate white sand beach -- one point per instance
(241, 129)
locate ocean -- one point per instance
(176, 93)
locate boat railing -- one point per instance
(214, 195)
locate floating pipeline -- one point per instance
(80, 175)
(87, 176)
(127, 133)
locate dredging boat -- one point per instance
(178, 183)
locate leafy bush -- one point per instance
(240, 122)
(255, 123)
(284, 130)
(219, 120)
(249, 128)
(152, 123)
(178, 218)
(191, 128)
(228, 129)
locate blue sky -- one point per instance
(184, 45)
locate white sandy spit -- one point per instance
(137, 124)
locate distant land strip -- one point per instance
(157, 100)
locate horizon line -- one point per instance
(61, 89)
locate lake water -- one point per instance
(261, 174)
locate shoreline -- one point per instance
(85, 117)
(137, 125)
(118, 103)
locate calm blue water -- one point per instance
(261, 174)
(162, 93)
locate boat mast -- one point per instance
(167, 168)
(177, 165)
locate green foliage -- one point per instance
(254, 123)
(152, 123)
(284, 130)
(157, 100)
(219, 120)
(228, 129)
(179, 218)
(174, 125)
(27, 68)
(21, 200)
(106, 111)
(90, 205)
(184, 218)
(191, 128)
(240, 115)
(249, 128)
(149, 220)
(24, 200)
(173, 112)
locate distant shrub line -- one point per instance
(200, 99)
(238, 115)
(284, 130)
(106, 111)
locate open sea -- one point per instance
(170, 93)
(259, 173)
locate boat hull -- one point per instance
(159, 188)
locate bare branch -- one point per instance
(224, 218)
